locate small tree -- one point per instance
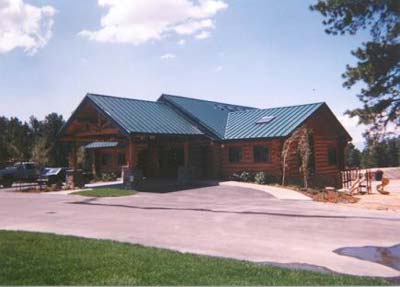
(40, 152)
(82, 158)
(301, 137)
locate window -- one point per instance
(121, 159)
(260, 153)
(235, 154)
(332, 158)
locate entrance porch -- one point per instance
(155, 156)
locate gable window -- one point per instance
(260, 153)
(332, 156)
(235, 154)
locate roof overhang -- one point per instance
(101, 145)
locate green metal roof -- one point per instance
(94, 145)
(211, 115)
(138, 116)
(176, 115)
(282, 121)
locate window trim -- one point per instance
(332, 149)
(268, 154)
(240, 154)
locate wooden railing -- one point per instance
(356, 181)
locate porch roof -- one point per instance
(94, 145)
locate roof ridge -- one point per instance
(209, 101)
(280, 107)
(122, 98)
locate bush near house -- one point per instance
(258, 177)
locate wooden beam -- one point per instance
(108, 131)
(90, 139)
(132, 153)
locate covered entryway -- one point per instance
(146, 136)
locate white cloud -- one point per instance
(167, 57)
(203, 35)
(193, 26)
(137, 21)
(182, 42)
(219, 68)
(24, 26)
(354, 129)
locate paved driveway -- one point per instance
(220, 221)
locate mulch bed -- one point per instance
(334, 197)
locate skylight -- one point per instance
(265, 119)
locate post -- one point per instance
(73, 157)
(131, 154)
(94, 169)
(186, 154)
(131, 176)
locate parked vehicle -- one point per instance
(19, 172)
(52, 175)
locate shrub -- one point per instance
(260, 177)
(108, 176)
(235, 177)
(246, 176)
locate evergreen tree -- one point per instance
(378, 66)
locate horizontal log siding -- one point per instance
(326, 133)
(247, 163)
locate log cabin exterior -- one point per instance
(213, 139)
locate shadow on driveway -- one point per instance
(91, 202)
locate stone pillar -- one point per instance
(74, 179)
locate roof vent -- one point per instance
(265, 119)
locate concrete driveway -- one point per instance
(222, 221)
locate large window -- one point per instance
(235, 154)
(332, 156)
(260, 153)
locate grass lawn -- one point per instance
(105, 192)
(44, 259)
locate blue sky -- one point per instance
(260, 53)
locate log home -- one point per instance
(214, 139)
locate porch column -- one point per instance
(93, 156)
(131, 153)
(73, 156)
(186, 153)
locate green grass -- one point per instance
(105, 192)
(44, 259)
